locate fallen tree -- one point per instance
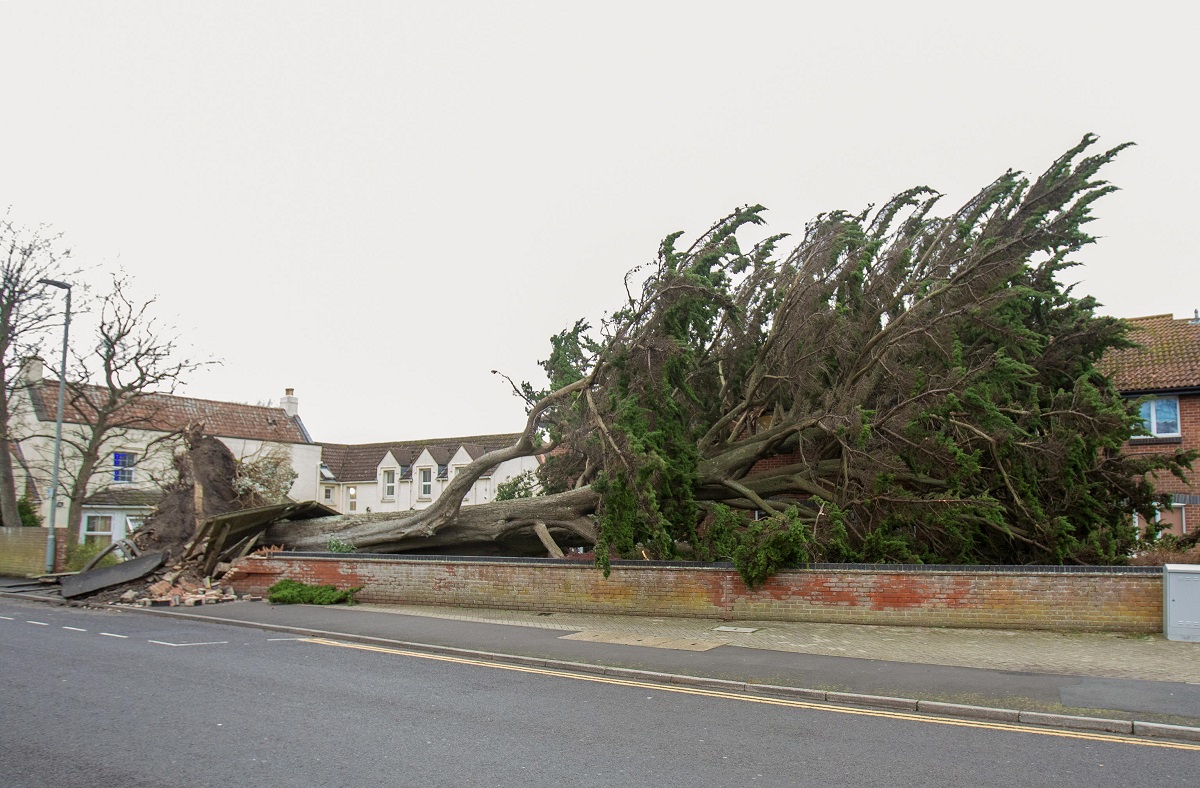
(900, 386)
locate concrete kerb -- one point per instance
(52, 599)
(952, 710)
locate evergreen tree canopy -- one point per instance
(900, 386)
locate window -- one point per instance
(329, 493)
(97, 529)
(351, 499)
(389, 484)
(123, 463)
(442, 471)
(1161, 417)
(426, 483)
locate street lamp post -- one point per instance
(62, 386)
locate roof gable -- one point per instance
(360, 462)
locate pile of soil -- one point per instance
(206, 475)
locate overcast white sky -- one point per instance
(377, 203)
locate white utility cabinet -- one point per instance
(1181, 602)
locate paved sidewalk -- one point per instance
(1106, 655)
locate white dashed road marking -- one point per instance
(39, 623)
(111, 635)
(176, 645)
(7, 618)
(75, 629)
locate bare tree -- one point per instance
(27, 311)
(117, 389)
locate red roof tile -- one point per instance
(1167, 356)
(168, 413)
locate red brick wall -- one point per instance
(1189, 428)
(1026, 599)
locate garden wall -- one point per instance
(23, 550)
(1126, 599)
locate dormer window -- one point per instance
(389, 484)
(426, 477)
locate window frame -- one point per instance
(87, 532)
(123, 472)
(425, 480)
(1149, 413)
(388, 485)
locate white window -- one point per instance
(123, 463)
(426, 483)
(329, 493)
(97, 528)
(389, 484)
(351, 499)
(1161, 417)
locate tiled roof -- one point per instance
(359, 462)
(124, 497)
(1167, 356)
(168, 413)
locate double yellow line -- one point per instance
(794, 704)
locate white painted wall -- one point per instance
(369, 494)
(154, 463)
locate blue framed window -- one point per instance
(123, 463)
(1161, 417)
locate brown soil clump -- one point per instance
(204, 489)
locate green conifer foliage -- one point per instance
(899, 386)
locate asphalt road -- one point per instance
(95, 698)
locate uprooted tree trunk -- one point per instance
(445, 524)
(500, 528)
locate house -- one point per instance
(135, 460)
(1164, 371)
(407, 475)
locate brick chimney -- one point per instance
(32, 369)
(290, 403)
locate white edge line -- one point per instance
(276, 640)
(111, 635)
